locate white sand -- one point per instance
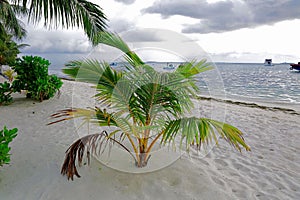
(270, 171)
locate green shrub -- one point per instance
(32, 75)
(45, 88)
(5, 91)
(54, 83)
(6, 136)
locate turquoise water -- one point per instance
(247, 82)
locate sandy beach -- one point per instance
(270, 171)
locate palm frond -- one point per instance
(23, 45)
(195, 131)
(92, 71)
(114, 40)
(189, 70)
(94, 144)
(96, 115)
(230, 133)
(71, 113)
(167, 91)
(68, 13)
(192, 68)
(9, 23)
(19, 10)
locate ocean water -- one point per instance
(273, 85)
(256, 82)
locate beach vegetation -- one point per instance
(56, 13)
(10, 74)
(6, 136)
(9, 23)
(9, 50)
(140, 108)
(32, 76)
(5, 93)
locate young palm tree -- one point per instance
(145, 107)
(67, 13)
(8, 50)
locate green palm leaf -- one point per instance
(115, 41)
(192, 68)
(9, 23)
(67, 13)
(92, 71)
(195, 131)
(99, 116)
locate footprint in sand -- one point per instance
(218, 181)
(221, 162)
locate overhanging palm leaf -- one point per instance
(143, 106)
(67, 13)
(115, 41)
(9, 24)
(92, 71)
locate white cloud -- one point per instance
(277, 39)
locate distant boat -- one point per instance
(113, 64)
(169, 66)
(268, 62)
(295, 66)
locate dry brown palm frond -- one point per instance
(71, 113)
(91, 144)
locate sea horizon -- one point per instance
(248, 83)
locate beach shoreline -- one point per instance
(270, 171)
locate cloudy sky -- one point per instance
(227, 30)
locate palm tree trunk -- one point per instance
(141, 159)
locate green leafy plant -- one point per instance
(32, 75)
(52, 86)
(145, 107)
(6, 136)
(5, 93)
(9, 74)
(9, 49)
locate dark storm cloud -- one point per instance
(56, 41)
(75, 41)
(227, 15)
(126, 1)
(66, 41)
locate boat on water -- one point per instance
(295, 66)
(169, 66)
(268, 62)
(113, 64)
